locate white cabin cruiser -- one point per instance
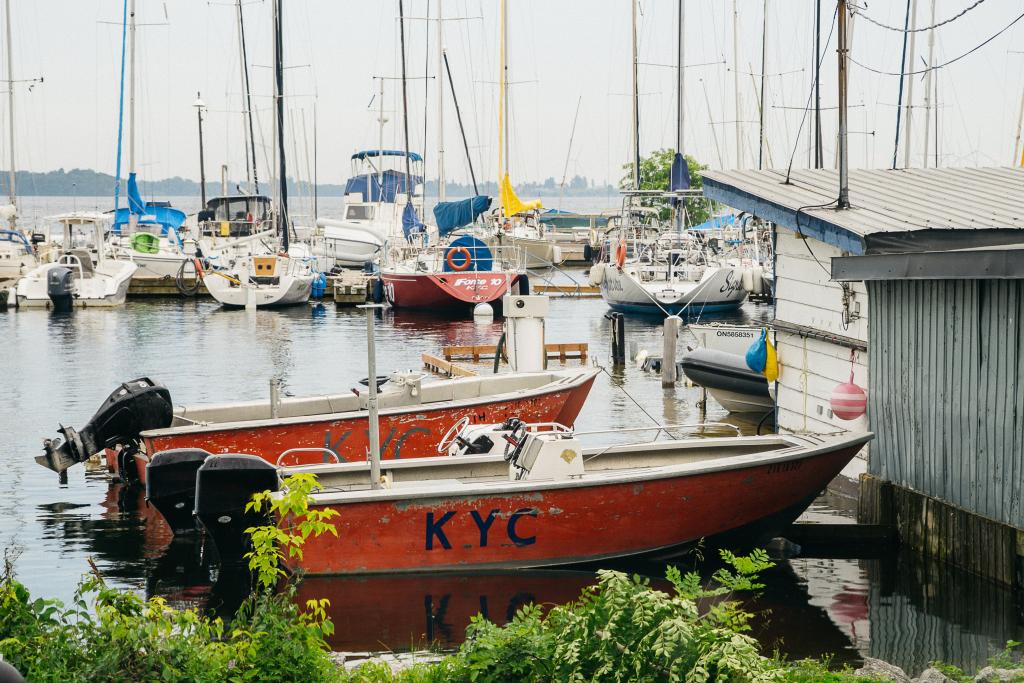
(83, 274)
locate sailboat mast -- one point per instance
(636, 103)
(133, 219)
(680, 74)
(736, 81)
(910, 89)
(819, 159)
(440, 105)
(928, 86)
(279, 102)
(405, 104)
(245, 92)
(764, 58)
(11, 190)
(503, 146)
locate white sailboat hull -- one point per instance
(719, 290)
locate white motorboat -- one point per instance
(157, 247)
(261, 282)
(350, 242)
(17, 257)
(83, 275)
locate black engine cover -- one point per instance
(171, 486)
(224, 485)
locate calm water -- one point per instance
(60, 367)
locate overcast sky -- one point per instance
(561, 53)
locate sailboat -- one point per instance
(669, 273)
(461, 274)
(259, 281)
(17, 255)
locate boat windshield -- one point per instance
(359, 212)
(239, 208)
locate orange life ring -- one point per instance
(620, 253)
(451, 261)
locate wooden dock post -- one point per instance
(668, 352)
(618, 338)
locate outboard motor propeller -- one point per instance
(131, 409)
(60, 287)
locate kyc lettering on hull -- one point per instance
(437, 536)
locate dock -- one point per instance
(142, 287)
(440, 366)
(569, 290)
(350, 288)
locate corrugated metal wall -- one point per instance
(946, 396)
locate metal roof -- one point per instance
(883, 201)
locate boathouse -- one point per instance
(921, 284)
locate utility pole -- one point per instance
(844, 180)
(199, 105)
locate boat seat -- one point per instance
(85, 259)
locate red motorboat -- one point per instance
(547, 501)
(462, 274)
(416, 410)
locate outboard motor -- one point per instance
(60, 287)
(171, 486)
(131, 409)
(224, 485)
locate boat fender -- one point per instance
(588, 253)
(597, 274)
(758, 277)
(450, 258)
(748, 279)
(620, 254)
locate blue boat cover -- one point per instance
(411, 223)
(167, 217)
(381, 187)
(479, 255)
(15, 236)
(367, 153)
(454, 215)
(716, 223)
(679, 176)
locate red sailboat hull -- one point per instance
(556, 525)
(407, 432)
(445, 290)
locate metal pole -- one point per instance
(764, 59)
(818, 151)
(283, 223)
(440, 107)
(372, 417)
(636, 106)
(504, 83)
(736, 81)
(202, 164)
(844, 181)
(680, 79)
(928, 86)
(907, 144)
(11, 189)
(241, 75)
(133, 219)
(899, 99)
(248, 102)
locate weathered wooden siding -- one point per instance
(810, 368)
(946, 396)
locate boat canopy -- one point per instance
(15, 236)
(239, 207)
(411, 223)
(167, 217)
(381, 187)
(454, 215)
(511, 202)
(367, 153)
(716, 223)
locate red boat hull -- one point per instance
(445, 290)
(410, 432)
(569, 525)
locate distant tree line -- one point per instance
(88, 183)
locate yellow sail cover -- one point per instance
(511, 203)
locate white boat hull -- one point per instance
(107, 286)
(290, 290)
(719, 290)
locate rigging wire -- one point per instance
(855, 10)
(810, 96)
(946, 63)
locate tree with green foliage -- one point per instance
(655, 171)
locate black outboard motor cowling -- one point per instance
(171, 486)
(224, 485)
(131, 409)
(60, 287)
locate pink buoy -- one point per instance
(848, 401)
